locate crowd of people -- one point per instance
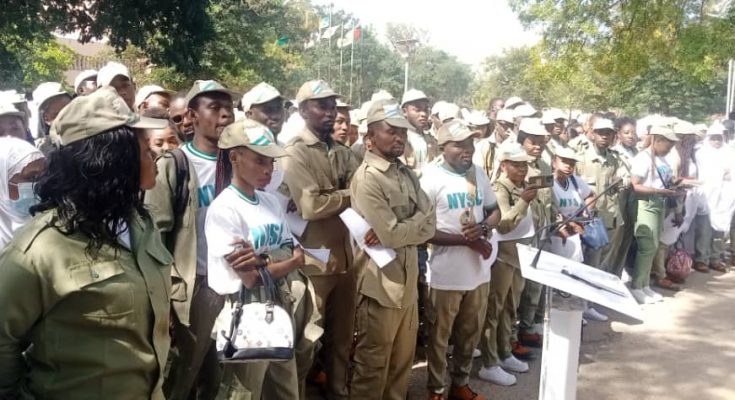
(134, 221)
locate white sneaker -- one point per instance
(641, 297)
(593, 315)
(514, 365)
(650, 293)
(624, 277)
(496, 375)
(475, 353)
(584, 322)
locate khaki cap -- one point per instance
(87, 116)
(87, 74)
(449, 111)
(453, 131)
(525, 110)
(9, 110)
(532, 126)
(314, 90)
(513, 151)
(388, 111)
(664, 131)
(684, 128)
(342, 104)
(146, 91)
(477, 118)
(413, 95)
(207, 86)
(47, 91)
(259, 94)
(513, 101)
(253, 135)
(551, 115)
(381, 95)
(566, 152)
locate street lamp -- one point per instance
(406, 47)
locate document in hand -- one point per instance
(358, 228)
(579, 280)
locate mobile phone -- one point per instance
(541, 181)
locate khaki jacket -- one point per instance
(317, 177)
(388, 195)
(178, 232)
(98, 327)
(512, 211)
(541, 205)
(599, 171)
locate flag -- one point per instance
(325, 22)
(282, 41)
(356, 33)
(329, 32)
(345, 41)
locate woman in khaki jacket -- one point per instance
(85, 284)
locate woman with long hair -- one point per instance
(246, 230)
(85, 284)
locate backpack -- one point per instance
(181, 192)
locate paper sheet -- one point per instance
(523, 230)
(494, 255)
(320, 254)
(296, 224)
(548, 272)
(358, 228)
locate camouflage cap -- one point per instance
(104, 109)
(253, 135)
(259, 94)
(454, 131)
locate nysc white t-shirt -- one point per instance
(205, 166)
(232, 216)
(570, 199)
(456, 267)
(641, 167)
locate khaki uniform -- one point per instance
(98, 327)
(388, 196)
(506, 283)
(530, 310)
(599, 171)
(629, 206)
(195, 305)
(580, 143)
(317, 176)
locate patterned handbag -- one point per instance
(679, 264)
(255, 331)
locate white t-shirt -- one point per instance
(570, 199)
(456, 267)
(641, 167)
(205, 166)
(420, 149)
(232, 216)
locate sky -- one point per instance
(469, 29)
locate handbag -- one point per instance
(595, 233)
(679, 264)
(255, 331)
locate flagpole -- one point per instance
(341, 52)
(352, 59)
(329, 48)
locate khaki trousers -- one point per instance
(194, 371)
(336, 302)
(506, 285)
(386, 340)
(463, 310)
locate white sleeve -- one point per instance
(641, 165)
(488, 194)
(221, 229)
(584, 188)
(428, 183)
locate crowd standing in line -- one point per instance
(136, 222)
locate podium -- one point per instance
(562, 325)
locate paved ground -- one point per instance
(684, 351)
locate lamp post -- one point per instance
(406, 47)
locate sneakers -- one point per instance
(514, 365)
(496, 375)
(520, 351)
(641, 297)
(591, 314)
(475, 353)
(531, 339)
(653, 295)
(464, 393)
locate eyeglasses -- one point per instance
(177, 119)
